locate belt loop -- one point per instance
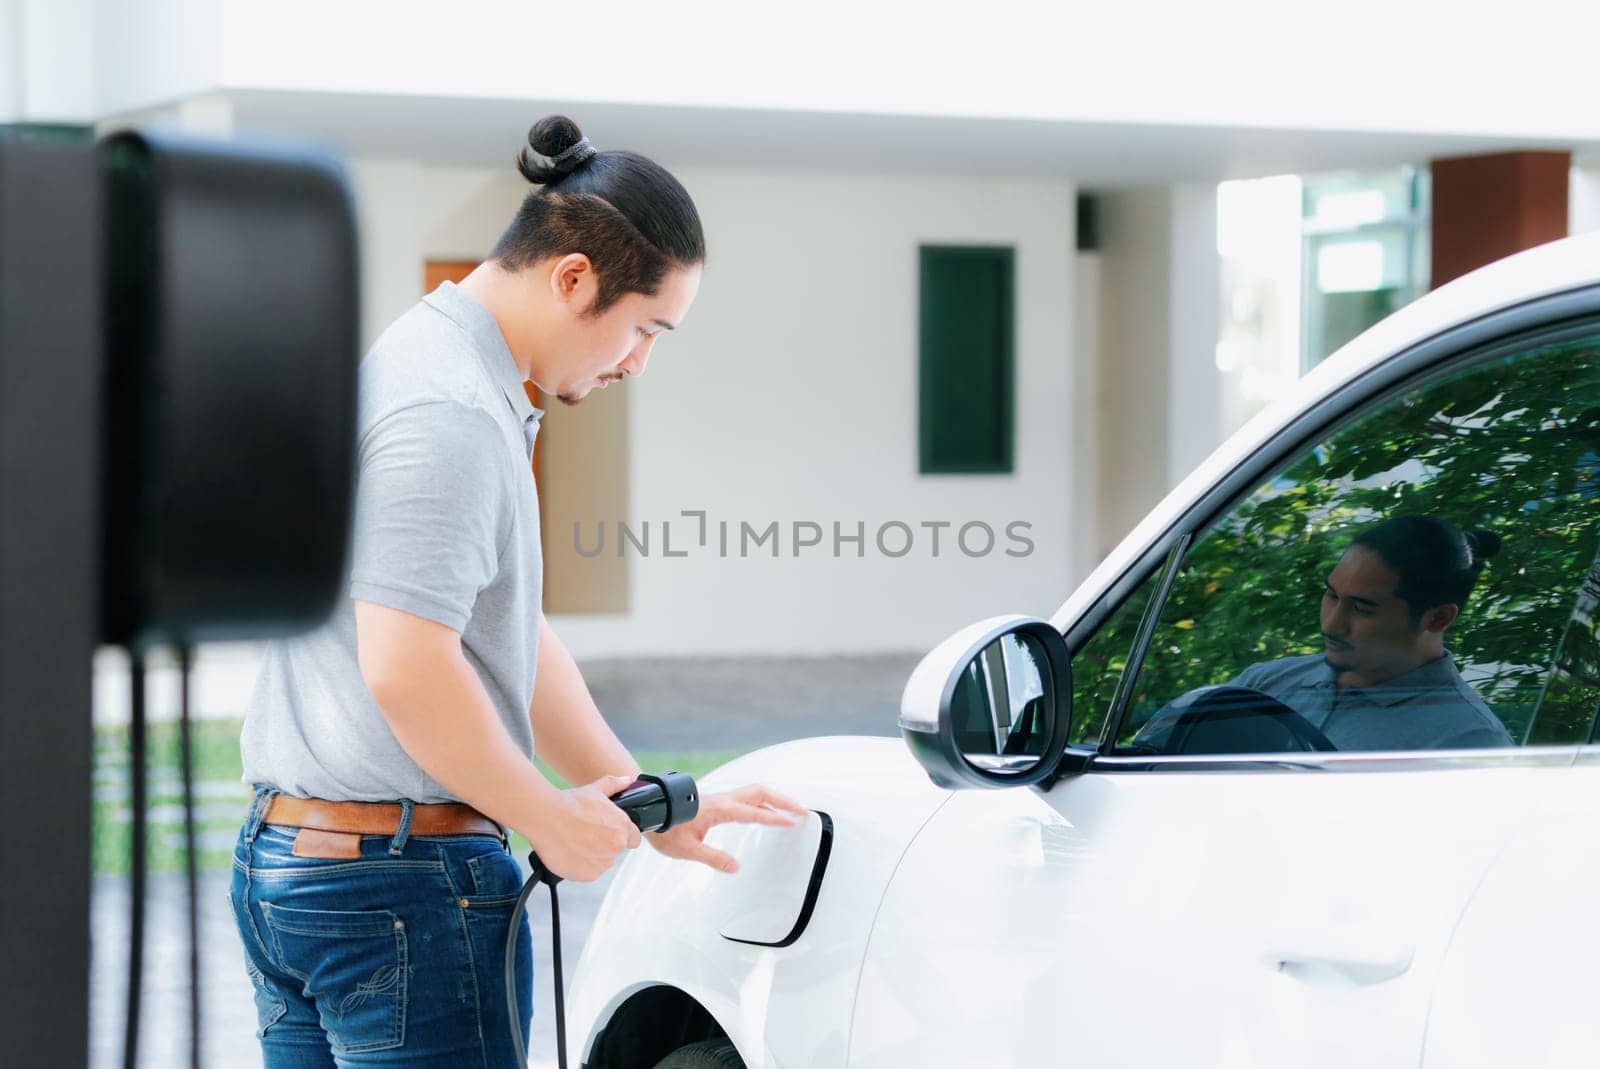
(398, 843)
(258, 811)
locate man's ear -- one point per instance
(570, 276)
(1440, 617)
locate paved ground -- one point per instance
(746, 702)
(657, 704)
(228, 1008)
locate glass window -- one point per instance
(1099, 663)
(1365, 254)
(1426, 578)
(1567, 711)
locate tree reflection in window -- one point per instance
(1512, 446)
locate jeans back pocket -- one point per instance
(353, 964)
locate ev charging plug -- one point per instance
(653, 803)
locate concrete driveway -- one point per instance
(228, 1007)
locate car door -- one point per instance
(1214, 887)
(1519, 983)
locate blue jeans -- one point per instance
(393, 958)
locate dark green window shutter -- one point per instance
(965, 362)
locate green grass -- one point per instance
(221, 799)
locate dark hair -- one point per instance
(625, 212)
(1438, 563)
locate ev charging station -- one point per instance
(178, 351)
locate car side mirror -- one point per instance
(990, 705)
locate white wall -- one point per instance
(12, 60)
(790, 394)
(1087, 347)
(391, 228)
(465, 209)
(1583, 197)
(1159, 386)
(1195, 403)
(1134, 383)
(152, 52)
(46, 61)
(1146, 61)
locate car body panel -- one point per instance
(1184, 918)
(1520, 981)
(661, 919)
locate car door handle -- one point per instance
(1351, 961)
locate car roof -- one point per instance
(1571, 263)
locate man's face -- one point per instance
(600, 350)
(1366, 630)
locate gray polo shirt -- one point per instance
(446, 528)
(1428, 708)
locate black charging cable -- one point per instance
(136, 802)
(541, 874)
(190, 856)
(139, 735)
(653, 803)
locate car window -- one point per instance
(1570, 705)
(1425, 578)
(1098, 664)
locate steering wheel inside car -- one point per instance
(1230, 720)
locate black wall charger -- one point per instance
(229, 391)
(178, 350)
(232, 311)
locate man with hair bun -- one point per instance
(391, 750)
(1385, 680)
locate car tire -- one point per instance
(707, 1054)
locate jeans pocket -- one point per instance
(496, 880)
(270, 1003)
(353, 964)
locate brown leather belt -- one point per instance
(378, 818)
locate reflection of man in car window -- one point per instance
(1385, 680)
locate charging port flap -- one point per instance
(770, 900)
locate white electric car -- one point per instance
(1184, 823)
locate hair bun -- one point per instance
(1484, 544)
(556, 148)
